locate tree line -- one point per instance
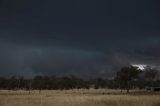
(127, 78)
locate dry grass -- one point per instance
(77, 98)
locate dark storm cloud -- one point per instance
(82, 37)
(85, 17)
(17, 60)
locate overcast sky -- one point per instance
(82, 37)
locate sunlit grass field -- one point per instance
(102, 97)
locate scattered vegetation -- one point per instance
(127, 78)
(73, 91)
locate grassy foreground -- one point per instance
(78, 98)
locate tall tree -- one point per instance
(126, 75)
(150, 75)
(38, 83)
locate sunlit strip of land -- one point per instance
(82, 97)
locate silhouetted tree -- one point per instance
(37, 83)
(100, 83)
(150, 75)
(12, 83)
(3, 83)
(126, 76)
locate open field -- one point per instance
(78, 98)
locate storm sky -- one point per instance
(88, 38)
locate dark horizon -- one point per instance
(87, 38)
